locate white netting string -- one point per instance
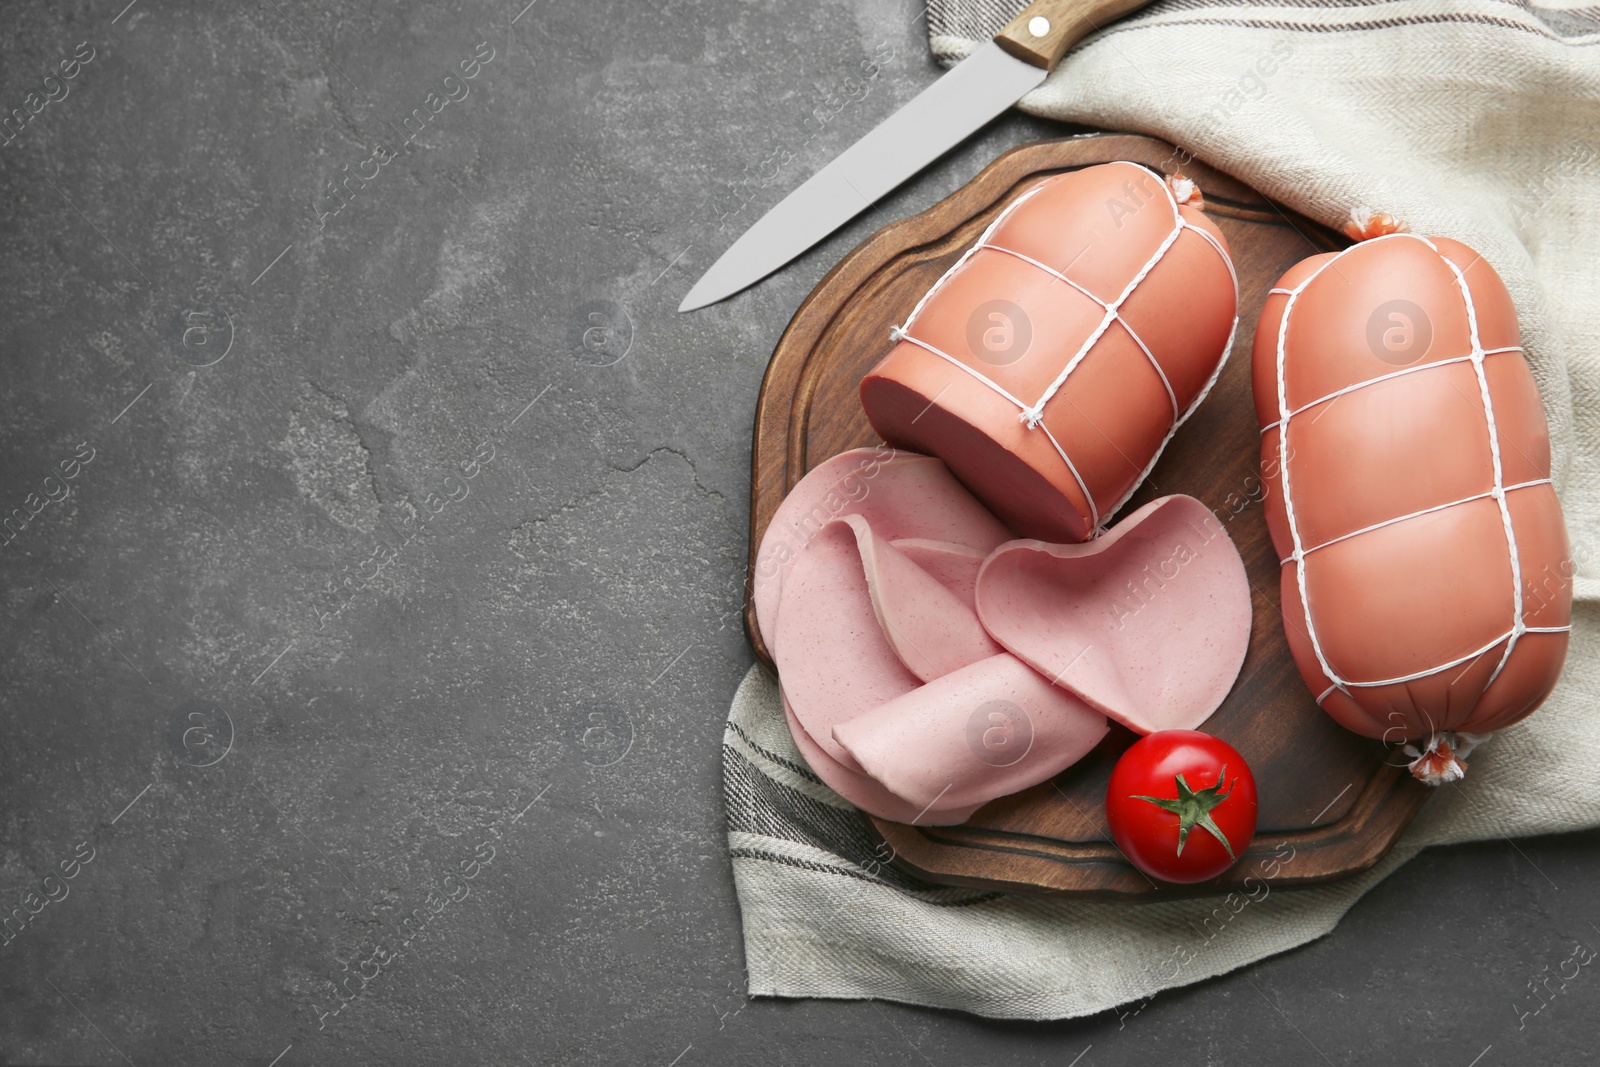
(1124, 323)
(1413, 515)
(1497, 492)
(1205, 391)
(1032, 415)
(1337, 393)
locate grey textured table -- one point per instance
(374, 548)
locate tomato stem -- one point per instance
(1193, 808)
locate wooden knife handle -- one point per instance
(1045, 30)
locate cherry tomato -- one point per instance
(1182, 805)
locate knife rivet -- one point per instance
(1038, 25)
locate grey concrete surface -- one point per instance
(381, 562)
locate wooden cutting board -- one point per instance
(1330, 804)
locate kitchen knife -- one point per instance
(995, 76)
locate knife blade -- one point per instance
(995, 76)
